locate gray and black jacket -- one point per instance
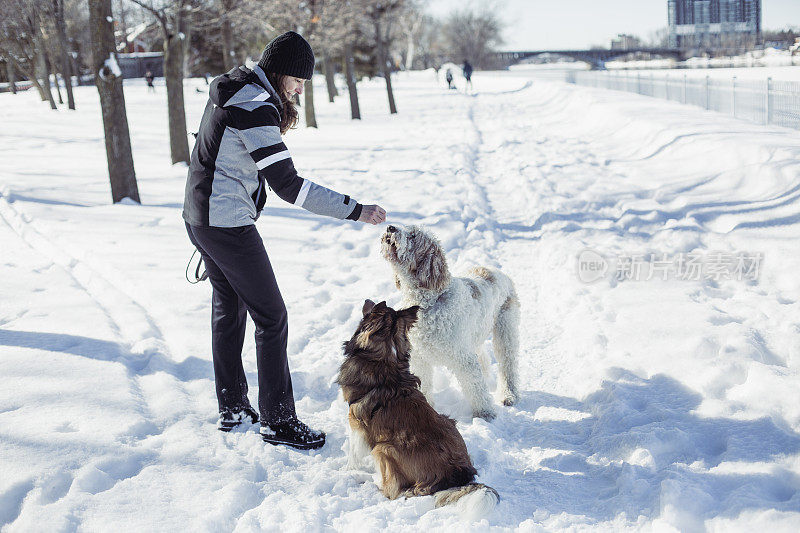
(239, 152)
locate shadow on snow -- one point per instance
(640, 449)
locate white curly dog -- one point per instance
(456, 316)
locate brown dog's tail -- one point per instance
(480, 501)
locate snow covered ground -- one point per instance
(752, 61)
(560, 70)
(755, 73)
(647, 404)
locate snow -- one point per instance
(755, 73)
(645, 405)
(768, 57)
(112, 66)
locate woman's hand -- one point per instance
(372, 214)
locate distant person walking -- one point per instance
(148, 77)
(449, 77)
(467, 69)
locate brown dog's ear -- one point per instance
(407, 317)
(432, 272)
(409, 314)
(380, 306)
(368, 305)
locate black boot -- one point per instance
(230, 419)
(293, 433)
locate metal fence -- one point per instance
(763, 101)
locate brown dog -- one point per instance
(418, 451)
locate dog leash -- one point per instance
(198, 277)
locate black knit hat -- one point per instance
(288, 54)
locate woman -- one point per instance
(238, 153)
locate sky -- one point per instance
(578, 24)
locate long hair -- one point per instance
(289, 116)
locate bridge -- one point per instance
(597, 58)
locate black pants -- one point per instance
(243, 281)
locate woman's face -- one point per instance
(292, 85)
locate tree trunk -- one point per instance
(38, 86)
(387, 76)
(123, 28)
(112, 104)
(12, 77)
(31, 75)
(186, 29)
(41, 63)
(228, 53)
(45, 65)
(76, 71)
(311, 117)
(66, 71)
(55, 77)
(349, 70)
(173, 75)
(410, 52)
(382, 67)
(329, 81)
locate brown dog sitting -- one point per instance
(418, 451)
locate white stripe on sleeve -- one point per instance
(274, 158)
(301, 196)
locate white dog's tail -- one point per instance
(475, 500)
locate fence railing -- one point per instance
(763, 101)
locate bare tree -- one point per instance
(76, 20)
(226, 8)
(313, 10)
(311, 19)
(356, 25)
(430, 44)
(412, 19)
(49, 67)
(52, 50)
(42, 63)
(12, 75)
(350, 76)
(22, 42)
(112, 103)
(328, 38)
(383, 14)
(224, 32)
(328, 69)
(61, 33)
(16, 44)
(473, 35)
(171, 18)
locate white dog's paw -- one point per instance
(487, 414)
